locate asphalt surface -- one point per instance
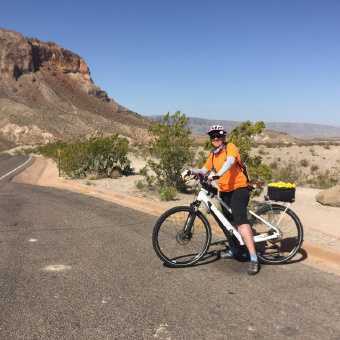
(11, 166)
(77, 267)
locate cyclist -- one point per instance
(232, 182)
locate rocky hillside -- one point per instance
(46, 93)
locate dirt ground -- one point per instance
(309, 159)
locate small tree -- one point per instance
(241, 136)
(171, 144)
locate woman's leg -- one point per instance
(239, 202)
(247, 236)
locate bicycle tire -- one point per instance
(171, 246)
(283, 248)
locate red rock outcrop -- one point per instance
(20, 55)
(46, 93)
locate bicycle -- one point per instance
(182, 235)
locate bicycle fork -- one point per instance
(187, 232)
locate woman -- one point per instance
(223, 162)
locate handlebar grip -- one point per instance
(215, 177)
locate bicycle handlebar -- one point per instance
(206, 184)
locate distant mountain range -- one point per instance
(298, 130)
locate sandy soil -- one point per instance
(306, 158)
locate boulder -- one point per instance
(329, 196)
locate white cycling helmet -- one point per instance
(217, 129)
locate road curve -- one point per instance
(10, 166)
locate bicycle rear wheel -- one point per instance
(181, 237)
(284, 247)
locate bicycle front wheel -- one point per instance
(286, 245)
(181, 237)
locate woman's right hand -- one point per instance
(185, 173)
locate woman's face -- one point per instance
(217, 140)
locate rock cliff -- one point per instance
(20, 55)
(46, 93)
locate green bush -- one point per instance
(105, 157)
(304, 162)
(50, 150)
(140, 185)
(242, 136)
(324, 180)
(167, 193)
(172, 145)
(288, 173)
(274, 165)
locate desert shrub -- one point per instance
(172, 145)
(149, 178)
(274, 165)
(167, 193)
(241, 136)
(314, 167)
(50, 150)
(29, 150)
(324, 180)
(304, 162)
(4, 154)
(115, 173)
(105, 157)
(92, 177)
(261, 152)
(288, 173)
(140, 185)
(312, 151)
(139, 150)
(200, 160)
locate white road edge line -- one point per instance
(16, 168)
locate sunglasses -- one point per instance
(216, 136)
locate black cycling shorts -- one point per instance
(237, 200)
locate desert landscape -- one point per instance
(321, 220)
(45, 98)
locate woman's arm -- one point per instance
(202, 171)
(230, 161)
(188, 172)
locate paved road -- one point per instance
(76, 267)
(12, 165)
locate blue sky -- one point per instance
(271, 60)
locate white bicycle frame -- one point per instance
(203, 197)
